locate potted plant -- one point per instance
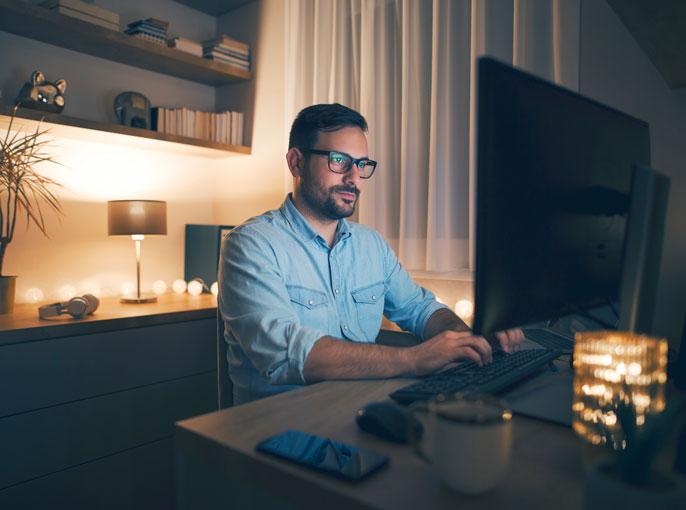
(630, 480)
(23, 191)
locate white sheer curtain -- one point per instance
(409, 67)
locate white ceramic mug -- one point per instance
(467, 440)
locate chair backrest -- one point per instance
(224, 384)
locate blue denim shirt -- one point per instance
(282, 288)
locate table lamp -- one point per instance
(137, 218)
(615, 368)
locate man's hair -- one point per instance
(322, 117)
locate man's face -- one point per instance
(331, 195)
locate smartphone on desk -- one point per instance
(325, 455)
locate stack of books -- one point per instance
(223, 127)
(85, 12)
(227, 50)
(151, 29)
(186, 45)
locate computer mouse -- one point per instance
(388, 421)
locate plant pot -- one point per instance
(7, 286)
(605, 489)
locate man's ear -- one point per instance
(296, 161)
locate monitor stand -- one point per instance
(547, 396)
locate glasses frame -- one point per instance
(353, 161)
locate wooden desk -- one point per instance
(217, 466)
(87, 407)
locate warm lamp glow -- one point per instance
(66, 292)
(195, 288)
(464, 309)
(159, 287)
(179, 286)
(128, 289)
(214, 289)
(612, 367)
(34, 295)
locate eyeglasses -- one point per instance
(341, 163)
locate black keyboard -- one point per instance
(503, 371)
(550, 340)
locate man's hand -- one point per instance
(510, 340)
(448, 347)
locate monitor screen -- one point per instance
(553, 185)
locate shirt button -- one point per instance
(345, 328)
(373, 297)
(310, 302)
(337, 291)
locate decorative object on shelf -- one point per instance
(197, 286)
(185, 45)
(619, 402)
(132, 109)
(159, 287)
(137, 218)
(84, 11)
(77, 307)
(41, 94)
(150, 29)
(22, 191)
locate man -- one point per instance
(302, 290)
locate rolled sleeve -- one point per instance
(257, 310)
(407, 304)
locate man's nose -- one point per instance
(352, 176)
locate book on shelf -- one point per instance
(229, 60)
(223, 127)
(69, 7)
(228, 43)
(148, 37)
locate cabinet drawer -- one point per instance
(38, 374)
(40, 442)
(138, 479)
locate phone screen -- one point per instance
(323, 454)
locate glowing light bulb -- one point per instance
(66, 292)
(195, 288)
(464, 309)
(159, 287)
(127, 288)
(214, 289)
(179, 286)
(34, 295)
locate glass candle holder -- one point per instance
(614, 369)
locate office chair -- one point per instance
(224, 384)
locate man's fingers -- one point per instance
(467, 351)
(481, 346)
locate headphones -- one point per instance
(77, 307)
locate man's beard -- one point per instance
(322, 202)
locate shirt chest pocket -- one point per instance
(309, 305)
(369, 303)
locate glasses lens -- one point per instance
(366, 168)
(339, 163)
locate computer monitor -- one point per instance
(553, 183)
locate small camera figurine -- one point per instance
(132, 109)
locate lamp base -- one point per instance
(138, 300)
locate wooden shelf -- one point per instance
(63, 120)
(44, 25)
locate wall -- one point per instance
(100, 167)
(257, 182)
(615, 71)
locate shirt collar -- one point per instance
(302, 226)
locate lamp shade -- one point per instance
(130, 217)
